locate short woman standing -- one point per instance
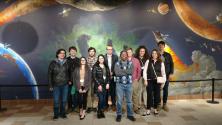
(101, 76)
(81, 79)
(154, 68)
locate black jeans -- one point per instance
(70, 97)
(83, 100)
(165, 92)
(153, 94)
(112, 93)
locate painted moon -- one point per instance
(195, 22)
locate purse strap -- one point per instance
(154, 70)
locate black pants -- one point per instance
(83, 100)
(165, 92)
(112, 93)
(69, 97)
(153, 94)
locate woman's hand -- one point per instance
(146, 83)
(100, 88)
(107, 86)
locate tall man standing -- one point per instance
(73, 62)
(110, 60)
(91, 61)
(169, 68)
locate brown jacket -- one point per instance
(76, 78)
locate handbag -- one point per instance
(160, 80)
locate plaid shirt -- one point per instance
(91, 61)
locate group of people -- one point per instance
(132, 78)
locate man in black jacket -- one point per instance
(110, 60)
(169, 68)
(58, 77)
(73, 62)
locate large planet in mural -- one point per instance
(12, 56)
(195, 22)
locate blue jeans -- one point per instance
(165, 92)
(102, 100)
(121, 91)
(60, 97)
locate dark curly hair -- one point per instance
(137, 52)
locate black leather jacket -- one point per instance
(97, 74)
(58, 74)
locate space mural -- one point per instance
(32, 30)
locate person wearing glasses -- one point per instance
(58, 78)
(82, 80)
(110, 60)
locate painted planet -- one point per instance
(163, 8)
(12, 56)
(197, 23)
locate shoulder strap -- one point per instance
(154, 70)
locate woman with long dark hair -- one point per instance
(142, 55)
(82, 79)
(101, 76)
(154, 68)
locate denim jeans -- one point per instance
(102, 100)
(121, 91)
(60, 97)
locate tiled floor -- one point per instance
(182, 112)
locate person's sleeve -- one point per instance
(50, 74)
(145, 70)
(171, 64)
(94, 75)
(88, 83)
(138, 70)
(108, 76)
(163, 72)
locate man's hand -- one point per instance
(170, 76)
(80, 91)
(100, 88)
(51, 89)
(107, 86)
(70, 83)
(145, 83)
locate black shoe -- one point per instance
(99, 114)
(118, 118)
(94, 109)
(55, 118)
(64, 116)
(88, 110)
(102, 114)
(131, 118)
